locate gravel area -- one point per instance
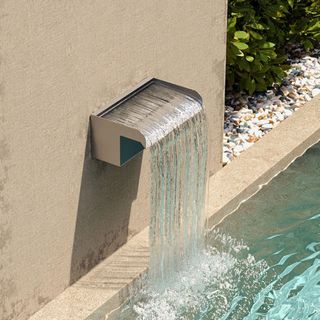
(249, 118)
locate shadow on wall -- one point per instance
(106, 195)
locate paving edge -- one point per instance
(101, 292)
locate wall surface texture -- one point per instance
(60, 211)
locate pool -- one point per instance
(261, 262)
(281, 227)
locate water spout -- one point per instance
(140, 119)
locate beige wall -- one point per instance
(60, 211)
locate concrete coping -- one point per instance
(101, 292)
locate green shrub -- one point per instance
(258, 31)
(304, 22)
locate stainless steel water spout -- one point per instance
(139, 119)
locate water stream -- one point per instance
(175, 128)
(178, 166)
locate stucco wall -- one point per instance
(60, 211)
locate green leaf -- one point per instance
(255, 35)
(232, 23)
(314, 27)
(244, 65)
(251, 85)
(308, 45)
(267, 45)
(240, 54)
(278, 72)
(249, 58)
(260, 83)
(240, 45)
(291, 3)
(257, 26)
(237, 14)
(264, 58)
(241, 35)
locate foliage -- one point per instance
(258, 32)
(304, 22)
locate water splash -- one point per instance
(207, 287)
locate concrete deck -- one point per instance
(104, 288)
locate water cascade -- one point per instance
(174, 126)
(178, 167)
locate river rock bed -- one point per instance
(249, 118)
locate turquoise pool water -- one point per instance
(262, 262)
(281, 226)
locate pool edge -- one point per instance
(255, 167)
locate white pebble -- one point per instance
(315, 92)
(267, 126)
(287, 113)
(260, 113)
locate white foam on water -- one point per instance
(187, 294)
(206, 287)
